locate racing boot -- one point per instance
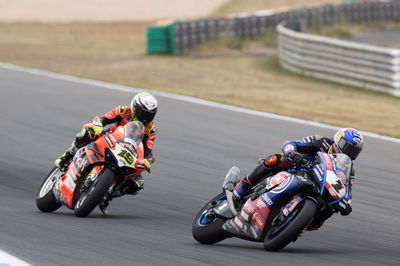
(63, 161)
(268, 166)
(103, 204)
(242, 189)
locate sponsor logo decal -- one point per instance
(342, 176)
(129, 147)
(267, 199)
(245, 228)
(326, 146)
(249, 207)
(255, 227)
(80, 163)
(318, 174)
(121, 109)
(109, 142)
(244, 215)
(254, 233)
(238, 222)
(281, 181)
(152, 131)
(289, 147)
(228, 225)
(258, 219)
(69, 182)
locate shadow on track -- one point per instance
(259, 247)
(93, 216)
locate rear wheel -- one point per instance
(45, 199)
(92, 195)
(207, 226)
(286, 229)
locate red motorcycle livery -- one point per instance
(281, 207)
(96, 171)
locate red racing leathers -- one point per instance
(118, 116)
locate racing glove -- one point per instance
(97, 128)
(147, 164)
(298, 159)
(295, 157)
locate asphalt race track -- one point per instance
(195, 147)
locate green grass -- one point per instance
(242, 73)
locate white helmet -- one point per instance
(144, 107)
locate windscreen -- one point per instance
(134, 131)
(342, 163)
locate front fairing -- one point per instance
(333, 175)
(128, 150)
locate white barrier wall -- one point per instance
(360, 65)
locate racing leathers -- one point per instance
(118, 116)
(294, 152)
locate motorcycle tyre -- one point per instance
(290, 233)
(211, 233)
(98, 190)
(47, 203)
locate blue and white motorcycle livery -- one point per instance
(281, 207)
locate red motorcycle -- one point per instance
(97, 171)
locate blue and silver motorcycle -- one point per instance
(281, 207)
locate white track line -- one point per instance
(117, 87)
(8, 260)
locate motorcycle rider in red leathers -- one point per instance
(143, 108)
(347, 140)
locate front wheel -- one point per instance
(286, 229)
(207, 226)
(45, 199)
(91, 196)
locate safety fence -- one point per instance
(359, 65)
(183, 35)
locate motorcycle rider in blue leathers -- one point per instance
(346, 140)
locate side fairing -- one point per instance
(251, 222)
(82, 159)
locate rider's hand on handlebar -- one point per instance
(295, 157)
(306, 164)
(298, 159)
(97, 128)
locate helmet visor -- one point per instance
(145, 116)
(350, 149)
